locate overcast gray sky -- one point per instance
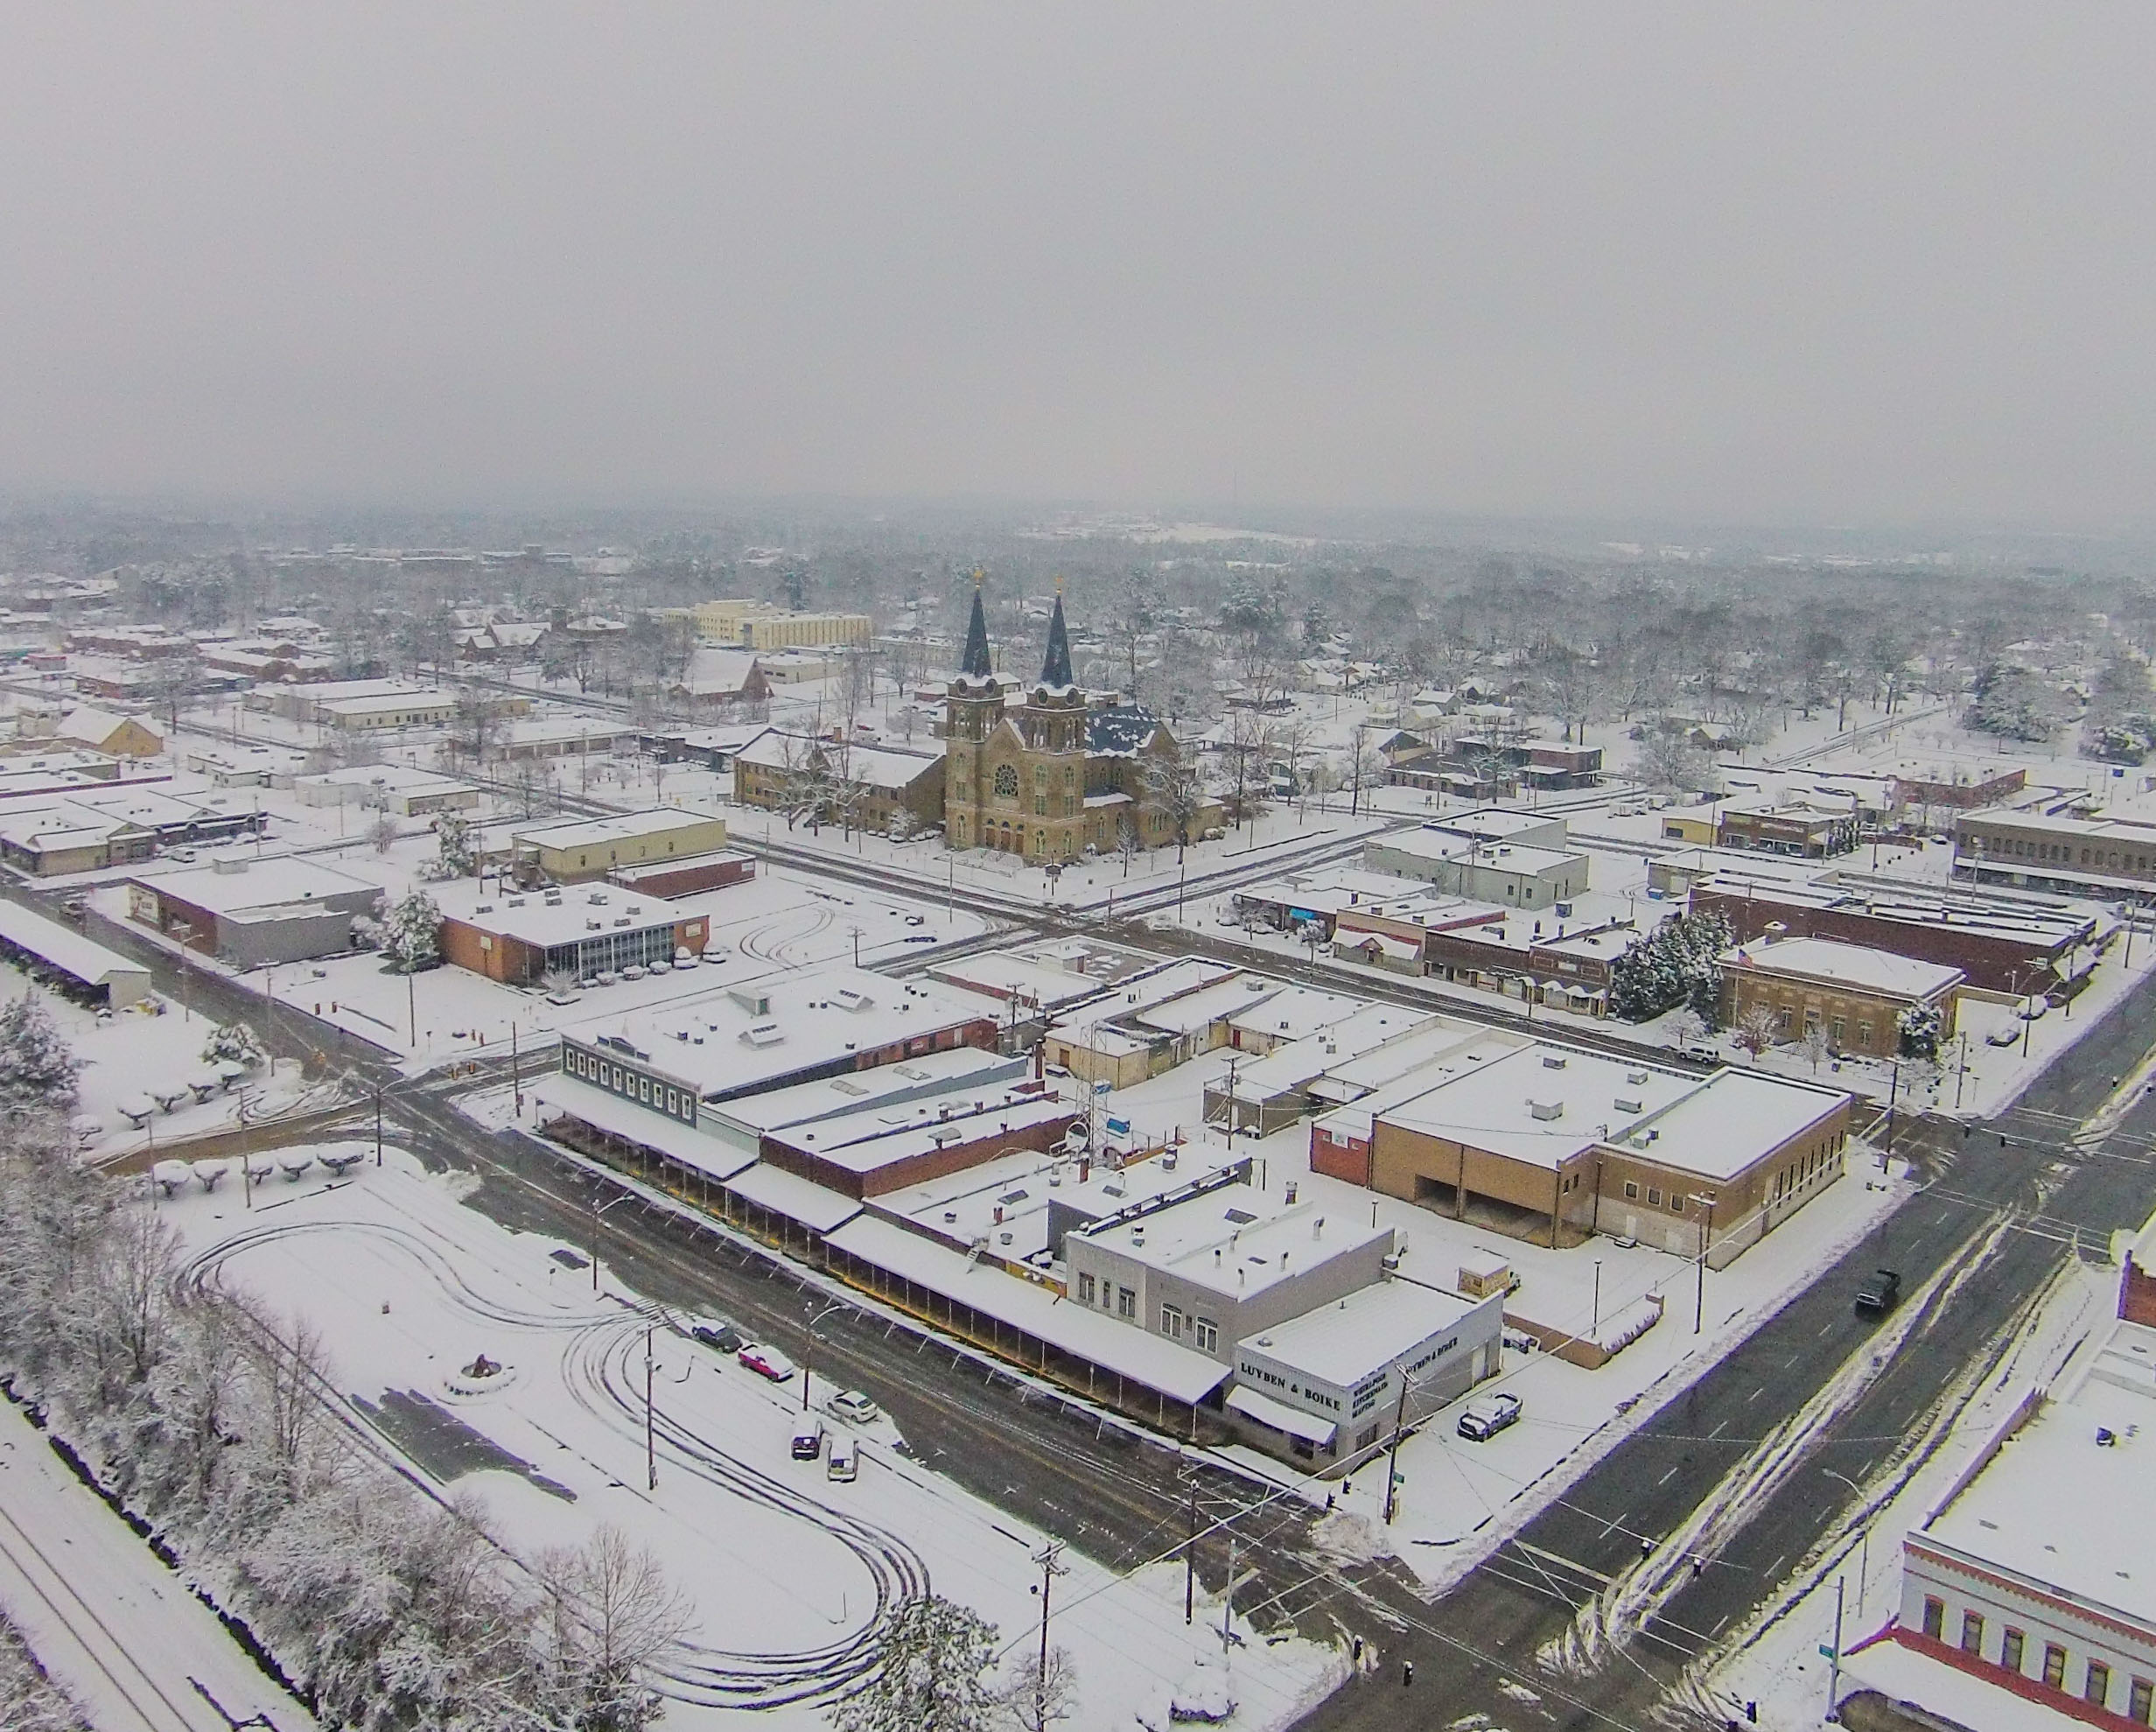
(1827, 263)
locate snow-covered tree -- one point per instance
(455, 854)
(409, 935)
(1035, 1699)
(233, 1043)
(610, 1615)
(1918, 1027)
(1676, 963)
(937, 1657)
(1175, 789)
(38, 1067)
(1757, 1029)
(382, 833)
(30, 1700)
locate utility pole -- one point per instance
(1392, 1463)
(1190, 1551)
(377, 1124)
(1706, 1239)
(516, 1074)
(247, 1164)
(1050, 1567)
(651, 1453)
(1228, 1599)
(1834, 1659)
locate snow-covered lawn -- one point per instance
(788, 1570)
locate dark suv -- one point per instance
(716, 1332)
(1879, 1291)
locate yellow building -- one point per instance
(721, 622)
(806, 631)
(586, 848)
(1050, 777)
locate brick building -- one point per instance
(1855, 996)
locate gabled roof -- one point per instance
(1120, 731)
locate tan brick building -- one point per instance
(1855, 996)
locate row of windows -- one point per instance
(2094, 1679)
(1803, 1171)
(631, 1084)
(2059, 853)
(1173, 1322)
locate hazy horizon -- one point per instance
(1651, 265)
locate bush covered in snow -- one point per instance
(209, 1418)
(1919, 1025)
(232, 1043)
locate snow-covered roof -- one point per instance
(764, 1031)
(1251, 1403)
(621, 827)
(1342, 1342)
(1119, 731)
(1237, 1241)
(881, 1136)
(1961, 1698)
(240, 885)
(717, 670)
(1293, 1066)
(1857, 966)
(1733, 1118)
(1178, 1372)
(584, 911)
(829, 1096)
(66, 949)
(611, 1113)
(801, 1200)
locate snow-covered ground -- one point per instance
(153, 1049)
(788, 1570)
(780, 920)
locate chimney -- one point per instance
(1317, 1228)
(1291, 1189)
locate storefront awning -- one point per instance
(1280, 1417)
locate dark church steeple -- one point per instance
(974, 664)
(1055, 666)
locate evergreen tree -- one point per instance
(38, 1067)
(408, 934)
(937, 1657)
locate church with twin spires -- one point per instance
(1051, 775)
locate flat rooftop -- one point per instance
(273, 880)
(832, 1097)
(1238, 1241)
(544, 920)
(867, 1142)
(1343, 1343)
(1432, 845)
(1731, 1120)
(1838, 965)
(2058, 1507)
(592, 832)
(733, 1041)
(1543, 1105)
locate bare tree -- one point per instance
(1175, 789)
(611, 1615)
(1759, 1028)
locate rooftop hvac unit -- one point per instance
(763, 1034)
(484, 908)
(1636, 1076)
(1546, 1110)
(1630, 1103)
(1553, 1060)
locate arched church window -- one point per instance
(1007, 780)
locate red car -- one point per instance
(766, 1362)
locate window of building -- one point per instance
(1126, 1302)
(1208, 1335)
(1972, 1632)
(2054, 1666)
(1086, 1286)
(1172, 1320)
(1632, 1190)
(2010, 1647)
(1677, 1202)
(1007, 781)
(1934, 1619)
(1653, 1196)
(2140, 1698)
(1040, 805)
(2095, 1684)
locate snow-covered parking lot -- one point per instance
(793, 1574)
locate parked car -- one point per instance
(766, 1362)
(185, 856)
(854, 1407)
(807, 1439)
(1880, 1291)
(845, 1460)
(1486, 1415)
(717, 1332)
(916, 920)
(2005, 1035)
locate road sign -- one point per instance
(1826, 1651)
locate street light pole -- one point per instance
(807, 1357)
(1392, 1463)
(1707, 1241)
(651, 1453)
(598, 1209)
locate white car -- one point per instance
(854, 1407)
(1486, 1415)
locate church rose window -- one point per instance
(1006, 782)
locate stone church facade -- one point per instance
(1048, 777)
